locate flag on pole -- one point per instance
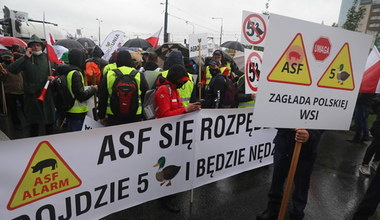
(153, 40)
(52, 56)
(371, 76)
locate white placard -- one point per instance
(254, 28)
(194, 44)
(253, 62)
(310, 76)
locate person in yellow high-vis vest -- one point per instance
(111, 63)
(187, 91)
(107, 117)
(75, 82)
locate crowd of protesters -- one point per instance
(179, 91)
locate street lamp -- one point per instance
(221, 28)
(99, 20)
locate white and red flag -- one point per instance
(153, 40)
(371, 76)
(52, 56)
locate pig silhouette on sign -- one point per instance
(294, 55)
(43, 164)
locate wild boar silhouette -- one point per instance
(44, 164)
(294, 55)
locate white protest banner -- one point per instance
(254, 28)
(253, 62)
(310, 75)
(227, 144)
(113, 41)
(194, 44)
(90, 123)
(90, 174)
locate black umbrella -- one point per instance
(70, 44)
(86, 42)
(233, 45)
(165, 48)
(137, 42)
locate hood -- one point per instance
(65, 57)
(35, 39)
(77, 58)
(175, 57)
(66, 68)
(150, 66)
(176, 72)
(124, 59)
(97, 52)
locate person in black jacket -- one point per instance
(126, 65)
(75, 80)
(215, 90)
(284, 146)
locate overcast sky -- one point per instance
(142, 18)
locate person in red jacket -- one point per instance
(167, 98)
(168, 103)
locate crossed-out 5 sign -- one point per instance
(252, 70)
(254, 29)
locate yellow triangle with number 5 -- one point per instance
(339, 74)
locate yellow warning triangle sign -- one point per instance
(46, 174)
(339, 74)
(292, 67)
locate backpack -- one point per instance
(93, 72)
(124, 99)
(149, 104)
(230, 93)
(63, 100)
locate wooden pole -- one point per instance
(191, 195)
(5, 110)
(200, 67)
(94, 110)
(289, 181)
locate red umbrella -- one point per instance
(9, 41)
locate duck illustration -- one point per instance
(165, 174)
(258, 29)
(342, 75)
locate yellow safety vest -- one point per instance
(111, 77)
(249, 104)
(209, 76)
(186, 90)
(78, 107)
(109, 67)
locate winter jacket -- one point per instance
(105, 90)
(214, 93)
(13, 82)
(284, 142)
(77, 88)
(36, 72)
(168, 100)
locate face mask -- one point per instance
(37, 53)
(179, 84)
(214, 71)
(7, 62)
